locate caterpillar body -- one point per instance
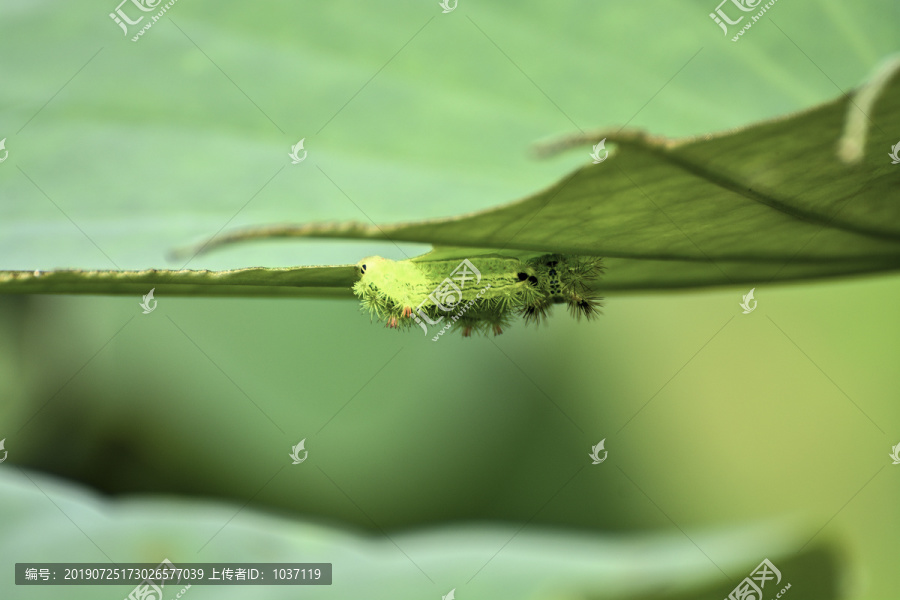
(482, 295)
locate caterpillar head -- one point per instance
(372, 300)
(387, 290)
(367, 264)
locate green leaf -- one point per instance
(807, 196)
(803, 197)
(771, 202)
(311, 282)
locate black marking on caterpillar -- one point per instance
(476, 297)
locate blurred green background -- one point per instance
(119, 151)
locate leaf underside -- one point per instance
(808, 196)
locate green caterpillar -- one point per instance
(479, 296)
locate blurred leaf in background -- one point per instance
(426, 563)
